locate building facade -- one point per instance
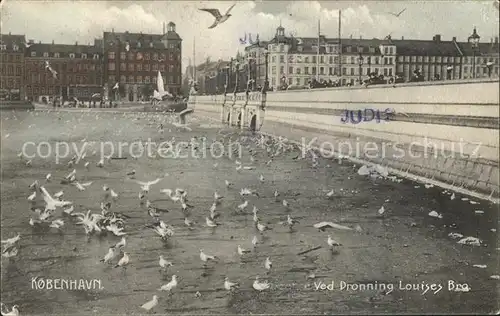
(133, 60)
(79, 71)
(12, 86)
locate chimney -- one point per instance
(454, 38)
(31, 41)
(76, 43)
(402, 38)
(437, 38)
(9, 33)
(112, 30)
(52, 42)
(163, 27)
(496, 39)
(39, 42)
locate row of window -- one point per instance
(10, 83)
(10, 58)
(332, 71)
(71, 55)
(446, 59)
(63, 78)
(77, 67)
(143, 67)
(35, 90)
(145, 79)
(10, 70)
(335, 59)
(14, 47)
(145, 56)
(388, 50)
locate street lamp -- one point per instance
(489, 65)
(266, 81)
(474, 41)
(360, 63)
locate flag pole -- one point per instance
(317, 55)
(340, 47)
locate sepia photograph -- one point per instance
(253, 157)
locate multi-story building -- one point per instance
(12, 66)
(257, 54)
(78, 67)
(480, 59)
(133, 60)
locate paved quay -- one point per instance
(406, 247)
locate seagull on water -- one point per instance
(260, 286)
(32, 196)
(255, 217)
(262, 227)
(332, 243)
(13, 312)
(210, 223)
(109, 256)
(205, 258)
(123, 261)
(228, 285)
(228, 184)
(58, 194)
(170, 285)
(255, 241)
(268, 264)
(164, 263)
(48, 177)
(82, 186)
(243, 206)
(58, 223)
(11, 241)
(242, 251)
(149, 305)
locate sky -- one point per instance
(66, 22)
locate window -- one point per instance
(390, 71)
(155, 67)
(146, 67)
(123, 79)
(282, 48)
(112, 79)
(273, 82)
(330, 60)
(282, 58)
(385, 71)
(372, 49)
(344, 71)
(15, 48)
(313, 70)
(273, 70)
(352, 71)
(139, 79)
(130, 67)
(290, 81)
(438, 59)
(466, 69)
(330, 71)
(306, 70)
(146, 56)
(33, 54)
(352, 60)
(111, 55)
(155, 56)
(170, 68)
(282, 70)
(348, 49)
(273, 59)
(45, 54)
(123, 55)
(131, 56)
(432, 59)
(376, 60)
(426, 59)
(163, 56)
(314, 59)
(162, 67)
(146, 79)
(300, 48)
(71, 55)
(111, 66)
(445, 59)
(56, 55)
(290, 70)
(297, 81)
(84, 56)
(321, 59)
(131, 79)
(171, 56)
(96, 56)
(3, 47)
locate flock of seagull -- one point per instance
(110, 222)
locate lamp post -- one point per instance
(266, 80)
(360, 63)
(474, 40)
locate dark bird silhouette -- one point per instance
(244, 39)
(219, 18)
(398, 14)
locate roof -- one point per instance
(10, 40)
(426, 48)
(63, 49)
(483, 49)
(139, 40)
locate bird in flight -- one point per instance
(219, 19)
(49, 68)
(398, 14)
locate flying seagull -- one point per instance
(219, 19)
(398, 14)
(49, 68)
